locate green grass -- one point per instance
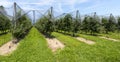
(76, 51)
(33, 48)
(5, 38)
(112, 35)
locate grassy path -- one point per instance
(112, 35)
(33, 48)
(76, 51)
(110, 49)
(5, 38)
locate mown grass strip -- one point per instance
(5, 38)
(112, 35)
(75, 51)
(33, 48)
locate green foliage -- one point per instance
(85, 24)
(33, 48)
(5, 23)
(67, 26)
(105, 25)
(111, 24)
(59, 24)
(90, 24)
(44, 25)
(5, 38)
(76, 26)
(23, 24)
(75, 50)
(118, 24)
(64, 24)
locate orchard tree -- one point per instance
(76, 26)
(4, 23)
(105, 24)
(95, 22)
(111, 24)
(49, 27)
(85, 24)
(67, 26)
(21, 26)
(45, 26)
(90, 24)
(59, 23)
(118, 24)
(40, 24)
(93, 25)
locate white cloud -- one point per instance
(59, 8)
(44, 4)
(39, 2)
(71, 2)
(96, 4)
(92, 7)
(82, 1)
(5, 3)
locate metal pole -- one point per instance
(33, 16)
(77, 15)
(94, 14)
(13, 20)
(51, 14)
(15, 12)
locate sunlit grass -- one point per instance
(33, 48)
(112, 35)
(76, 51)
(5, 38)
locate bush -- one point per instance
(45, 26)
(23, 25)
(5, 23)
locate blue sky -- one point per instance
(102, 7)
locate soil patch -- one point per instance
(85, 40)
(110, 39)
(54, 44)
(8, 48)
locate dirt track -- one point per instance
(110, 39)
(54, 44)
(8, 48)
(85, 40)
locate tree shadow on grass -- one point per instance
(69, 34)
(93, 34)
(48, 35)
(22, 36)
(3, 33)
